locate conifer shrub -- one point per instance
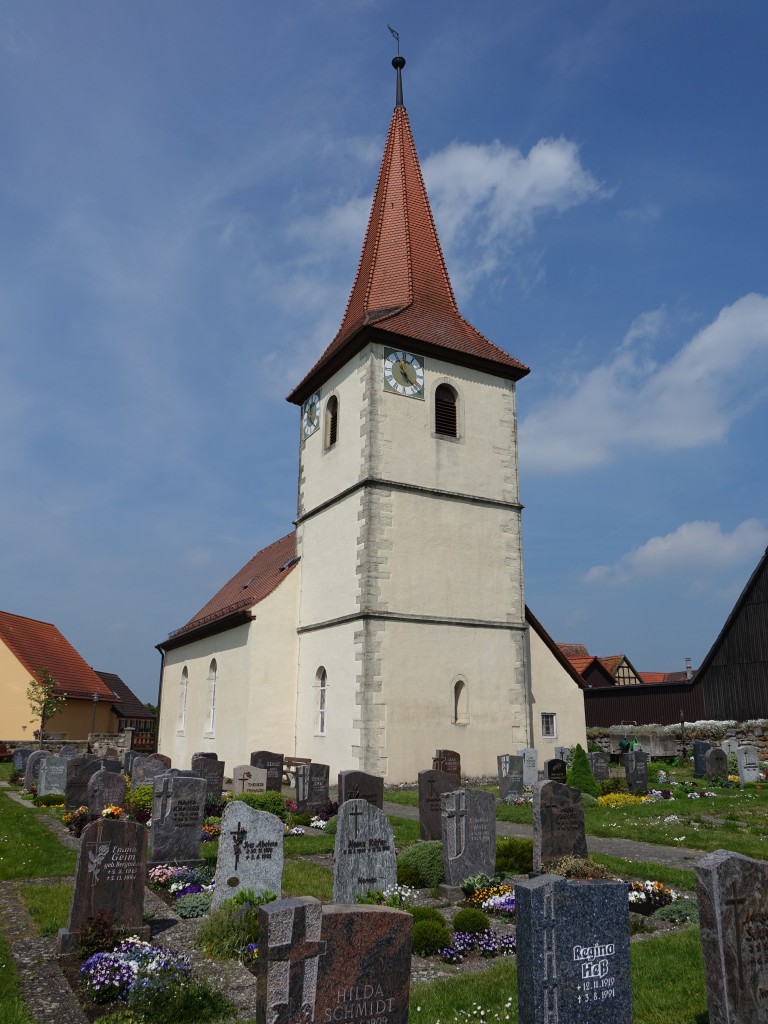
(333, 824)
(580, 774)
(514, 856)
(471, 919)
(429, 937)
(270, 801)
(426, 914)
(427, 859)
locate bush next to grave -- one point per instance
(514, 856)
(470, 919)
(429, 937)
(421, 865)
(232, 929)
(139, 802)
(580, 774)
(270, 801)
(49, 800)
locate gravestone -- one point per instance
(636, 770)
(111, 764)
(32, 768)
(52, 777)
(573, 951)
(530, 766)
(733, 907)
(469, 834)
(79, 771)
(716, 764)
(364, 852)
(311, 787)
(144, 771)
(178, 813)
(332, 964)
(555, 770)
(600, 765)
(749, 764)
(213, 773)
(432, 785)
(246, 779)
(274, 765)
(564, 754)
(354, 785)
(20, 758)
(164, 760)
(448, 761)
(68, 751)
(128, 758)
(206, 753)
(558, 824)
(111, 872)
(510, 769)
(700, 748)
(250, 853)
(105, 788)
(730, 745)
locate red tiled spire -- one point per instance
(402, 285)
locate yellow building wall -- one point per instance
(554, 692)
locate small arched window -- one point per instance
(446, 419)
(460, 703)
(331, 421)
(213, 673)
(322, 700)
(181, 719)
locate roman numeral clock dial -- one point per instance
(403, 374)
(310, 414)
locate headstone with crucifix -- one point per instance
(573, 951)
(332, 963)
(111, 872)
(250, 853)
(600, 763)
(354, 785)
(749, 764)
(510, 769)
(733, 908)
(79, 771)
(246, 779)
(32, 768)
(469, 834)
(213, 773)
(20, 758)
(53, 776)
(364, 853)
(555, 770)
(105, 789)
(178, 813)
(448, 761)
(530, 766)
(558, 824)
(311, 787)
(432, 785)
(564, 753)
(716, 764)
(128, 758)
(273, 763)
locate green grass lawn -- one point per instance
(27, 848)
(49, 905)
(14, 1011)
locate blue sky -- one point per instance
(183, 194)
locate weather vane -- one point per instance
(397, 37)
(398, 63)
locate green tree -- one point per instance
(43, 699)
(580, 774)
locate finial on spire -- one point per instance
(398, 63)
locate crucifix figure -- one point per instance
(238, 835)
(736, 902)
(293, 965)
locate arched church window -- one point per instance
(322, 700)
(331, 421)
(213, 673)
(181, 720)
(460, 703)
(446, 418)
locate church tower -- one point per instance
(412, 631)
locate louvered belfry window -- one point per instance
(445, 411)
(332, 415)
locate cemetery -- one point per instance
(132, 895)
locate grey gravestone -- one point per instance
(716, 764)
(273, 763)
(178, 813)
(164, 760)
(111, 764)
(354, 785)
(79, 771)
(250, 853)
(20, 758)
(558, 824)
(329, 964)
(573, 951)
(68, 750)
(700, 748)
(311, 786)
(469, 834)
(600, 765)
(733, 907)
(111, 871)
(206, 753)
(246, 779)
(448, 761)
(564, 754)
(105, 788)
(636, 770)
(510, 768)
(364, 852)
(749, 765)
(53, 776)
(730, 745)
(128, 758)
(32, 768)
(555, 770)
(432, 785)
(144, 771)
(530, 766)
(213, 773)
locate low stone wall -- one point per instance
(665, 741)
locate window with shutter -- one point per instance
(446, 420)
(331, 421)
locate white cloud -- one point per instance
(691, 400)
(698, 547)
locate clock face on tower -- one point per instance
(310, 414)
(403, 374)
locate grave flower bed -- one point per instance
(172, 881)
(646, 897)
(488, 944)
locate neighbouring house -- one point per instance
(131, 713)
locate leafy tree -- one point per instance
(43, 699)
(151, 707)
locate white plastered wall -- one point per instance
(554, 692)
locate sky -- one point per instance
(184, 189)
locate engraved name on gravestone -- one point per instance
(354, 785)
(558, 824)
(32, 768)
(250, 853)
(469, 834)
(213, 773)
(246, 779)
(700, 748)
(530, 766)
(311, 787)
(600, 765)
(105, 788)
(273, 763)
(364, 852)
(20, 758)
(79, 771)
(733, 906)
(332, 964)
(556, 770)
(716, 764)
(749, 763)
(573, 951)
(510, 769)
(178, 813)
(111, 871)
(432, 785)
(448, 761)
(636, 770)
(53, 776)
